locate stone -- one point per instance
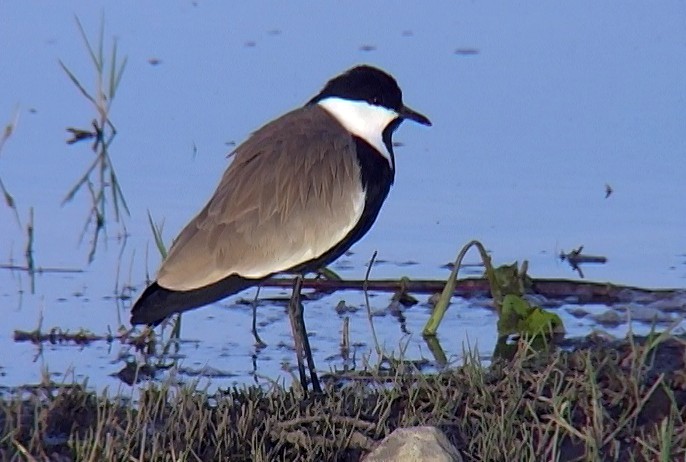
(412, 444)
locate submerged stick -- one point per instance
(555, 288)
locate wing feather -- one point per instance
(279, 203)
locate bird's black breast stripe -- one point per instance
(377, 177)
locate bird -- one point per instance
(298, 193)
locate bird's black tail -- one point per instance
(156, 303)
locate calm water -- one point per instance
(536, 108)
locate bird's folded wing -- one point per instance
(292, 192)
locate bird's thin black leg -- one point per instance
(259, 344)
(295, 315)
(306, 344)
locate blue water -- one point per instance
(555, 102)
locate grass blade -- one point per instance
(96, 62)
(99, 176)
(77, 83)
(83, 180)
(157, 235)
(9, 200)
(119, 74)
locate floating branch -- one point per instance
(575, 259)
(584, 291)
(40, 269)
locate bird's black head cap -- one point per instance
(370, 84)
(364, 83)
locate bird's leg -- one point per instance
(316, 388)
(259, 344)
(302, 341)
(295, 315)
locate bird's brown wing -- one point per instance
(292, 192)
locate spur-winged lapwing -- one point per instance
(298, 193)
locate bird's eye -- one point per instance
(376, 100)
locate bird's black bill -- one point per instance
(411, 114)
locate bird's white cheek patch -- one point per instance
(362, 119)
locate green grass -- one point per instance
(622, 401)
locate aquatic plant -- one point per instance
(99, 179)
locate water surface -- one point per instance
(536, 108)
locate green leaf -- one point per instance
(519, 317)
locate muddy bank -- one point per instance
(602, 401)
